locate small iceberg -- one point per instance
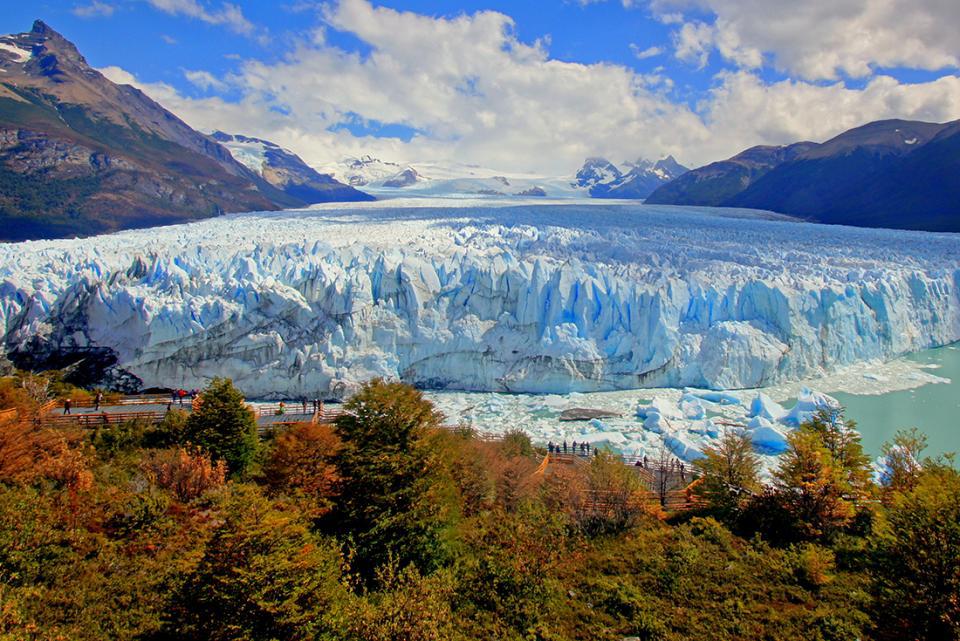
(765, 407)
(766, 436)
(683, 448)
(809, 403)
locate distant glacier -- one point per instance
(538, 297)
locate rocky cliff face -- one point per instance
(81, 155)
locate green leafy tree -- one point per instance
(224, 426)
(917, 548)
(394, 501)
(729, 473)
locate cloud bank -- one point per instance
(469, 90)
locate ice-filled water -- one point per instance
(535, 297)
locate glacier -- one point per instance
(529, 296)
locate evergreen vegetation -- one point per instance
(223, 425)
(385, 527)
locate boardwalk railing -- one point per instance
(143, 399)
(103, 418)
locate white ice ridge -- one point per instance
(541, 297)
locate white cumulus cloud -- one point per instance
(471, 91)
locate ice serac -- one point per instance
(533, 298)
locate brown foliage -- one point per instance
(302, 460)
(29, 452)
(491, 474)
(68, 466)
(188, 474)
(600, 496)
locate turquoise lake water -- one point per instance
(933, 409)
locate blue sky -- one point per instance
(527, 85)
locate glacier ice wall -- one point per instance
(535, 298)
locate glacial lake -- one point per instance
(934, 409)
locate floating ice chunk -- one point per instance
(809, 403)
(609, 440)
(720, 398)
(683, 448)
(654, 422)
(766, 436)
(765, 407)
(692, 409)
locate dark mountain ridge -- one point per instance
(890, 173)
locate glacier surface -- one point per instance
(529, 296)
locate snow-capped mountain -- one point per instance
(403, 178)
(598, 174)
(287, 171)
(634, 180)
(448, 179)
(519, 298)
(362, 171)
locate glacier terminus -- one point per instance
(503, 296)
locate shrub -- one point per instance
(188, 474)
(408, 607)
(22, 448)
(917, 578)
(171, 430)
(811, 565)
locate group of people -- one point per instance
(675, 466)
(178, 395)
(561, 448)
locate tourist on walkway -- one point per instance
(564, 446)
(550, 447)
(173, 396)
(66, 405)
(644, 460)
(573, 448)
(304, 403)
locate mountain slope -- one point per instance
(286, 171)
(890, 173)
(81, 155)
(713, 184)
